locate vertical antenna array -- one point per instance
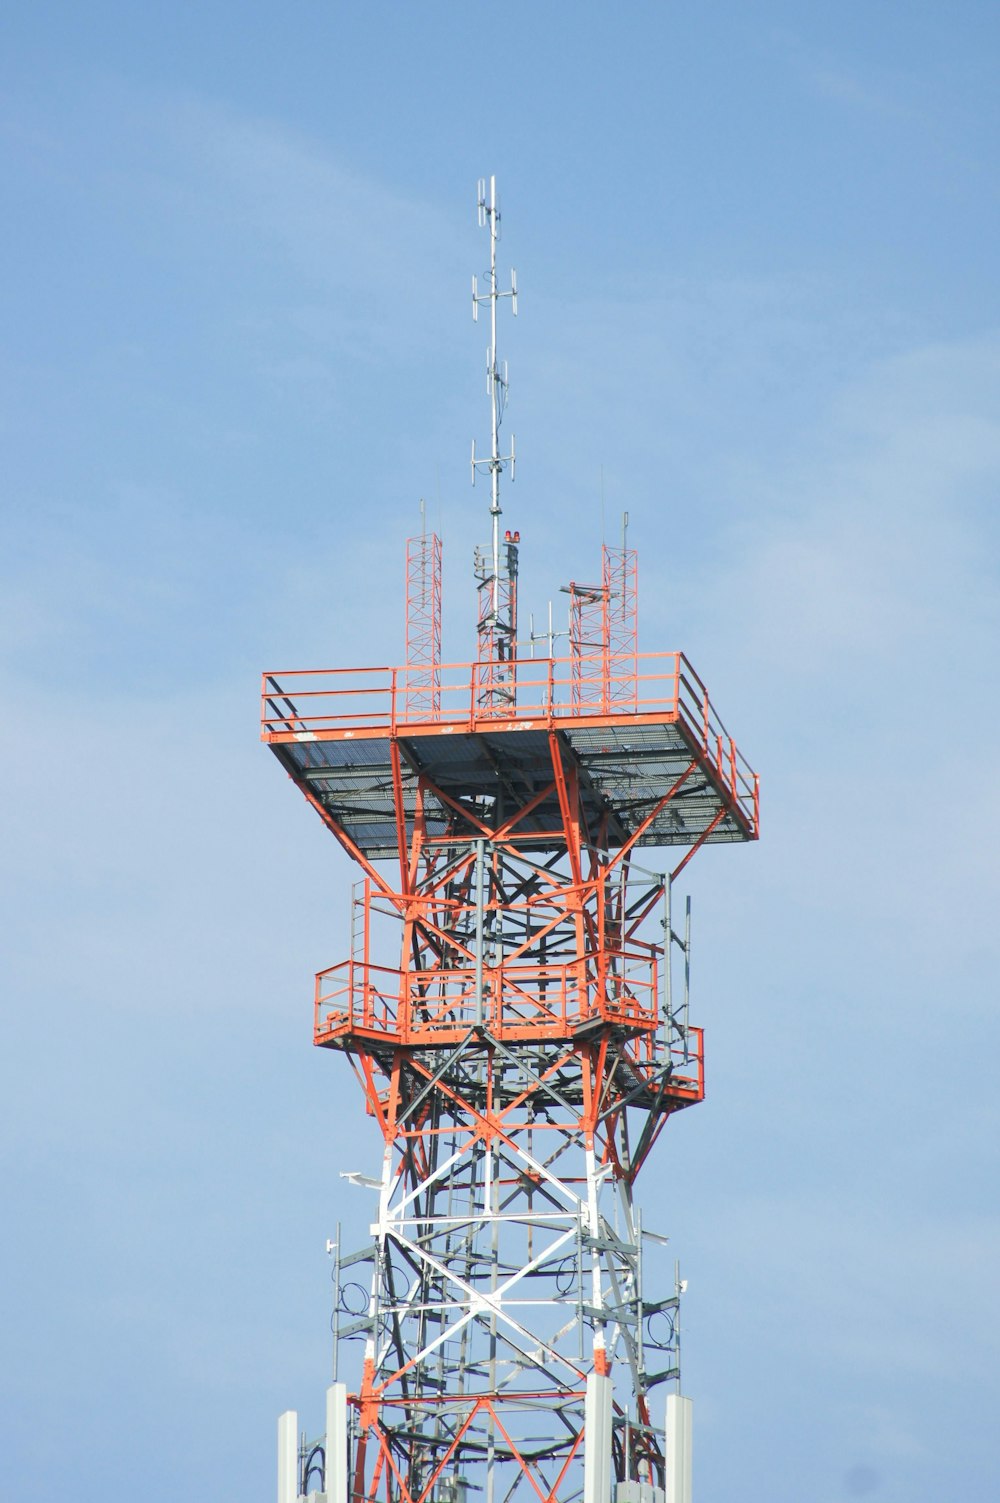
(495, 567)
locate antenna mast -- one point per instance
(496, 570)
(423, 621)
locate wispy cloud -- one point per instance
(855, 85)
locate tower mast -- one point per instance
(509, 1008)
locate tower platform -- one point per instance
(652, 761)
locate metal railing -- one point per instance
(439, 1006)
(552, 998)
(318, 702)
(335, 703)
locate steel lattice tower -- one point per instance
(509, 1010)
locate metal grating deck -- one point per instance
(624, 768)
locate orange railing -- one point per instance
(439, 1006)
(552, 999)
(328, 701)
(318, 704)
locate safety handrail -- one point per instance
(313, 704)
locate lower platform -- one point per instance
(641, 1070)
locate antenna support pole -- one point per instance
(497, 571)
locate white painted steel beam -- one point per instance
(678, 1437)
(335, 1445)
(288, 1457)
(597, 1440)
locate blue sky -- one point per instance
(757, 251)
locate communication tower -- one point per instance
(514, 1006)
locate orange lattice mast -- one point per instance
(423, 622)
(509, 1012)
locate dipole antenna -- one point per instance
(496, 388)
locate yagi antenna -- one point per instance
(488, 210)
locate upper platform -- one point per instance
(356, 739)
